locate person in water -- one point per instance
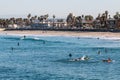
(18, 43)
(43, 42)
(83, 58)
(12, 48)
(99, 52)
(70, 55)
(86, 58)
(108, 60)
(24, 36)
(106, 50)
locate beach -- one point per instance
(64, 33)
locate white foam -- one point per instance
(39, 35)
(110, 38)
(36, 38)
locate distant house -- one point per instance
(40, 25)
(60, 24)
(13, 26)
(35, 21)
(88, 24)
(118, 24)
(96, 24)
(111, 23)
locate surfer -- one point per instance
(98, 38)
(86, 57)
(108, 60)
(23, 37)
(83, 58)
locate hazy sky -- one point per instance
(61, 8)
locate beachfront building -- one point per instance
(117, 23)
(40, 25)
(102, 22)
(70, 20)
(79, 22)
(38, 22)
(111, 23)
(117, 20)
(87, 22)
(96, 24)
(59, 24)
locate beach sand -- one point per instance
(64, 33)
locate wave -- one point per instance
(34, 39)
(111, 38)
(11, 38)
(101, 37)
(49, 41)
(82, 62)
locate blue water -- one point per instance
(46, 58)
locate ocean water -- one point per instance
(46, 58)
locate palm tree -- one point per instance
(117, 15)
(109, 16)
(82, 16)
(98, 16)
(39, 18)
(78, 21)
(46, 17)
(88, 18)
(28, 16)
(70, 20)
(106, 14)
(117, 18)
(29, 20)
(53, 20)
(103, 21)
(35, 16)
(42, 18)
(12, 20)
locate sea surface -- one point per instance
(47, 58)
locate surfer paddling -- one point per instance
(108, 60)
(83, 58)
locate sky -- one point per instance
(61, 8)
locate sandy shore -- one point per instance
(63, 33)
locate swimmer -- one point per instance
(18, 43)
(106, 50)
(12, 48)
(24, 36)
(99, 52)
(70, 55)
